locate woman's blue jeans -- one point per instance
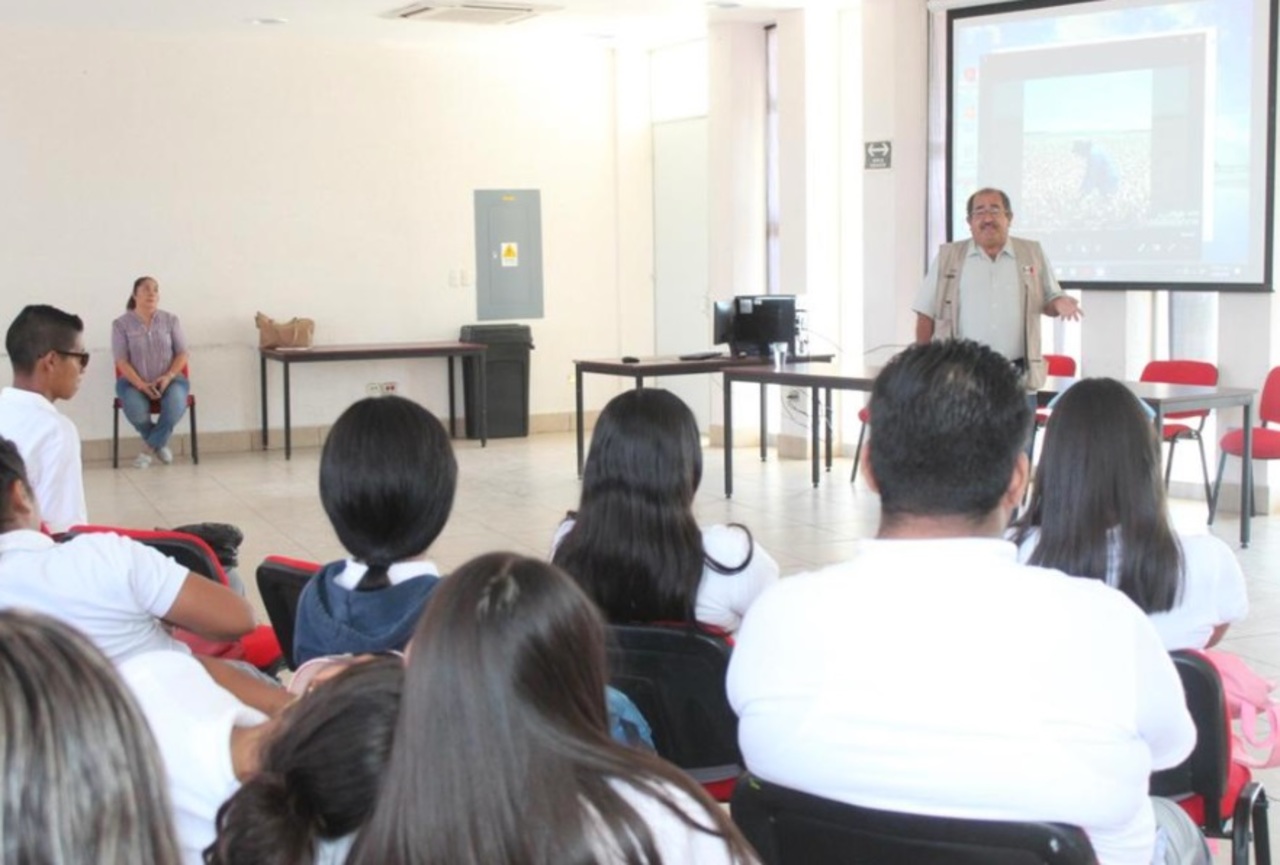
(137, 408)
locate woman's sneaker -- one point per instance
(166, 455)
(143, 461)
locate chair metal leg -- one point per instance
(1168, 466)
(195, 444)
(115, 436)
(1261, 829)
(1204, 467)
(857, 454)
(1250, 814)
(1217, 487)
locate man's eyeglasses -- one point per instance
(82, 356)
(979, 212)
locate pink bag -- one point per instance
(1248, 697)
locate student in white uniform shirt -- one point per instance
(46, 349)
(210, 741)
(933, 673)
(319, 771)
(634, 545)
(502, 751)
(119, 592)
(1098, 510)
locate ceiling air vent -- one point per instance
(467, 13)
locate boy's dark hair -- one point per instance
(948, 420)
(38, 330)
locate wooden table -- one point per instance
(824, 377)
(286, 357)
(1163, 398)
(646, 367)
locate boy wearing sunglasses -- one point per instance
(46, 349)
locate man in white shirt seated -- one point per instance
(933, 673)
(46, 349)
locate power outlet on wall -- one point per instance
(381, 388)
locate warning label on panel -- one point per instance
(510, 255)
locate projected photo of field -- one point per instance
(1085, 181)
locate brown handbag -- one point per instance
(294, 333)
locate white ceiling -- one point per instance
(639, 22)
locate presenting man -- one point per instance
(992, 289)
(46, 350)
(932, 673)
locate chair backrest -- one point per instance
(1205, 771)
(1063, 365)
(1269, 403)
(192, 552)
(788, 827)
(676, 677)
(280, 583)
(1181, 372)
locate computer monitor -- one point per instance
(722, 323)
(750, 324)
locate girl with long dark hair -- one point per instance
(319, 772)
(502, 753)
(634, 545)
(1098, 510)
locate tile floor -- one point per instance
(513, 493)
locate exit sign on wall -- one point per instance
(879, 154)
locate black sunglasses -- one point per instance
(82, 356)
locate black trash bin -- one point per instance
(506, 376)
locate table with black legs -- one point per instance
(286, 357)
(642, 368)
(826, 377)
(819, 378)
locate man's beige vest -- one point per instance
(946, 313)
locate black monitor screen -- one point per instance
(722, 326)
(762, 320)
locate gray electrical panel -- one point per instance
(508, 253)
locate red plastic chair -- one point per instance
(675, 675)
(1218, 793)
(281, 580)
(1266, 442)
(1060, 366)
(155, 409)
(1184, 372)
(259, 647)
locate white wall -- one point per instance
(326, 180)
(893, 80)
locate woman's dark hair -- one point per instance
(502, 753)
(387, 478)
(12, 470)
(82, 779)
(635, 547)
(132, 303)
(1098, 484)
(320, 771)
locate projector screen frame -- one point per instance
(950, 206)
